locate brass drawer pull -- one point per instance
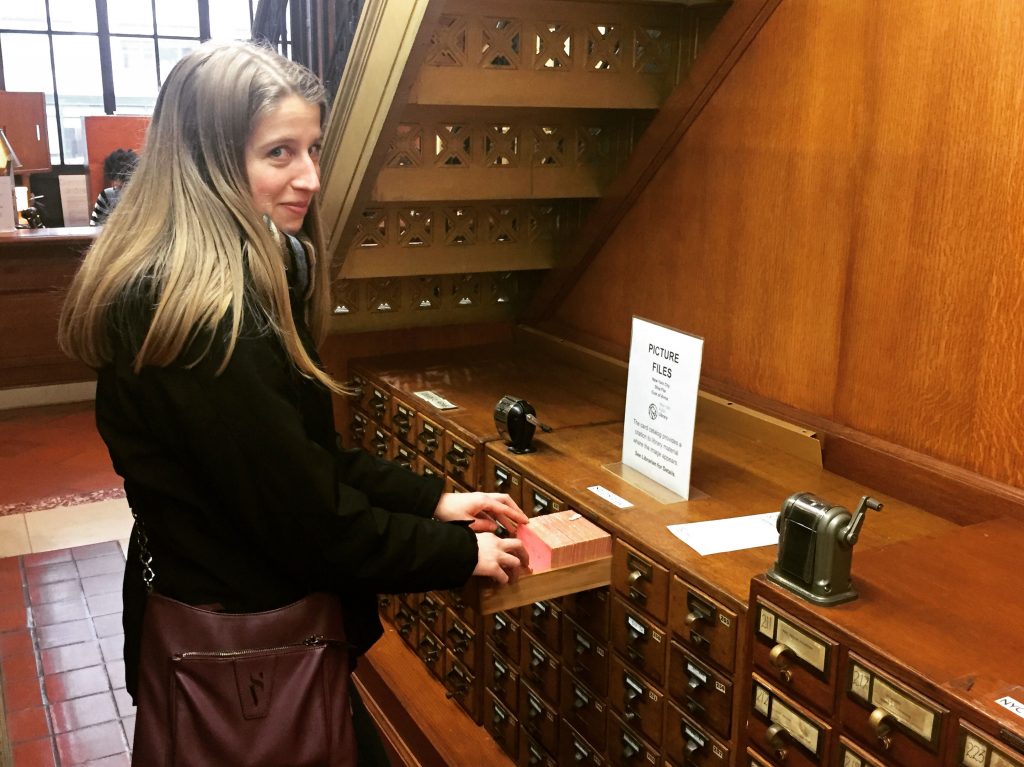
(881, 722)
(779, 658)
(775, 737)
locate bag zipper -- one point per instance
(310, 641)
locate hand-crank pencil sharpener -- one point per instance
(816, 542)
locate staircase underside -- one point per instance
(470, 139)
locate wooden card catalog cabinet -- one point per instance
(653, 655)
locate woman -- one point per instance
(201, 312)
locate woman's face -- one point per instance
(282, 160)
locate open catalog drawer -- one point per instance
(568, 553)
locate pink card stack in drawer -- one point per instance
(561, 539)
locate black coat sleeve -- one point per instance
(326, 519)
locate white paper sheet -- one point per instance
(720, 535)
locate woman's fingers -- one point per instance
(500, 558)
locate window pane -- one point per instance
(171, 51)
(72, 16)
(77, 60)
(33, 51)
(24, 14)
(131, 17)
(229, 20)
(133, 61)
(177, 17)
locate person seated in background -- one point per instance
(117, 169)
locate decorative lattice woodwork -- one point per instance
(431, 298)
(548, 145)
(460, 226)
(553, 48)
(448, 43)
(463, 225)
(501, 146)
(406, 148)
(503, 222)
(371, 229)
(453, 145)
(604, 49)
(415, 227)
(502, 44)
(653, 50)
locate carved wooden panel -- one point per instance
(583, 54)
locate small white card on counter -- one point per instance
(608, 495)
(720, 535)
(436, 400)
(1011, 704)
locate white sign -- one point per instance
(661, 404)
(74, 200)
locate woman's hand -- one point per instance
(485, 510)
(500, 559)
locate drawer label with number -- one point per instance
(910, 712)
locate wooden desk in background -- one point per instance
(36, 267)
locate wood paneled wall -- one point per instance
(843, 225)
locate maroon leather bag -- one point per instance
(266, 689)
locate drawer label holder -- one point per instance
(801, 643)
(800, 729)
(913, 716)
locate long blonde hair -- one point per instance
(186, 230)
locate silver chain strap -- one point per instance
(144, 556)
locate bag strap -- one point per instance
(148, 576)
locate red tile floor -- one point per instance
(62, 681)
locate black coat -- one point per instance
(248, 500)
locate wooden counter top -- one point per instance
(68, 234)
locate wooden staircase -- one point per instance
(469, 140)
